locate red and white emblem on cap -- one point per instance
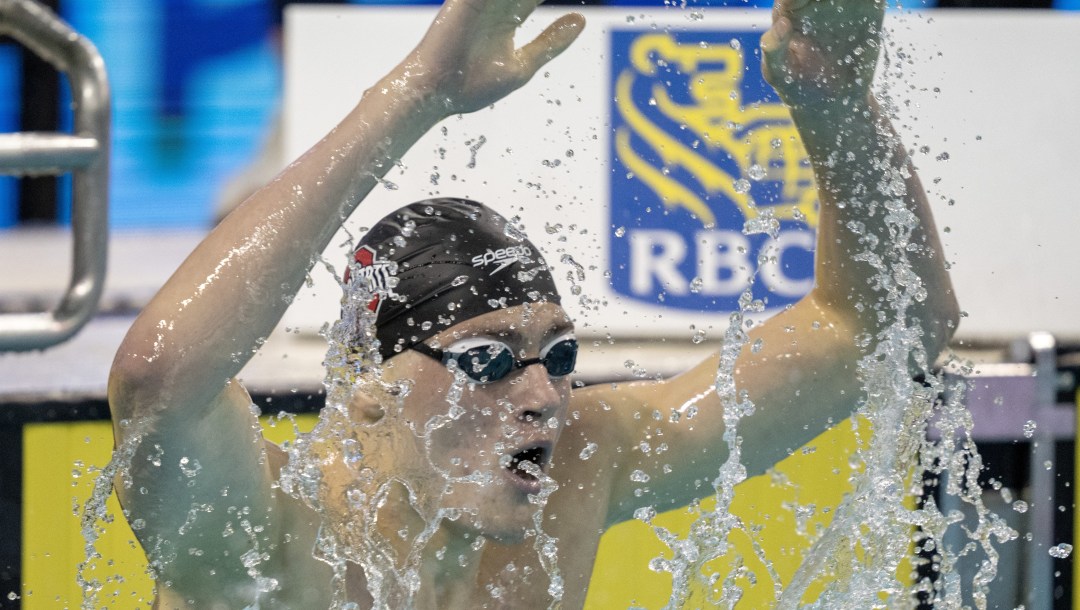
(375, 274)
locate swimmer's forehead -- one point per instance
(519, 324)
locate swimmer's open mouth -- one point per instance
(527, 461)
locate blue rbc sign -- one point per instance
(701, 145)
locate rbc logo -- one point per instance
(702, 148)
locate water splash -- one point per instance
(354, 526)
(859, 559)
(707, 539)
(546, 546)
(349, 519)
(95, 515)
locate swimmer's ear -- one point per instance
(364, 408)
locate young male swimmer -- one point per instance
(213, 536)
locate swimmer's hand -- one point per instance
(468, 58)
(819, 53)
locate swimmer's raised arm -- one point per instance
(172, 379)
(820, 55)
(859, 161)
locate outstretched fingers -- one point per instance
(550, 43)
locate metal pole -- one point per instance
(85, 153)
(1039, 577)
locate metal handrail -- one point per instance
(1038, 564)
(85, 154)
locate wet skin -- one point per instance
(174, 393)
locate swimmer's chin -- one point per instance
(503, 526)
(507, 535)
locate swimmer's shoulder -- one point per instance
(602, 404)
(606, 416)
(596, 418)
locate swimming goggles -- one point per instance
(486, 361)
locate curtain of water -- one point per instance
(857, 562)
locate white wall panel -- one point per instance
(994, 90)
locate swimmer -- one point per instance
(230, 537)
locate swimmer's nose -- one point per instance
(536, 395)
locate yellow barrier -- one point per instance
(816, 475)
(57, 479)
(56, 484)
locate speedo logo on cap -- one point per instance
(503, 257)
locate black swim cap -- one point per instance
(439, 262)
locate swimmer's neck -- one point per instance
(449, 582)
(455, 575)
(449, 562)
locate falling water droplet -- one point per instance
(645, 513)
(588, 451)
(1061, 551)
(513, 231)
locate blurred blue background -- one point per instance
(196, 87)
